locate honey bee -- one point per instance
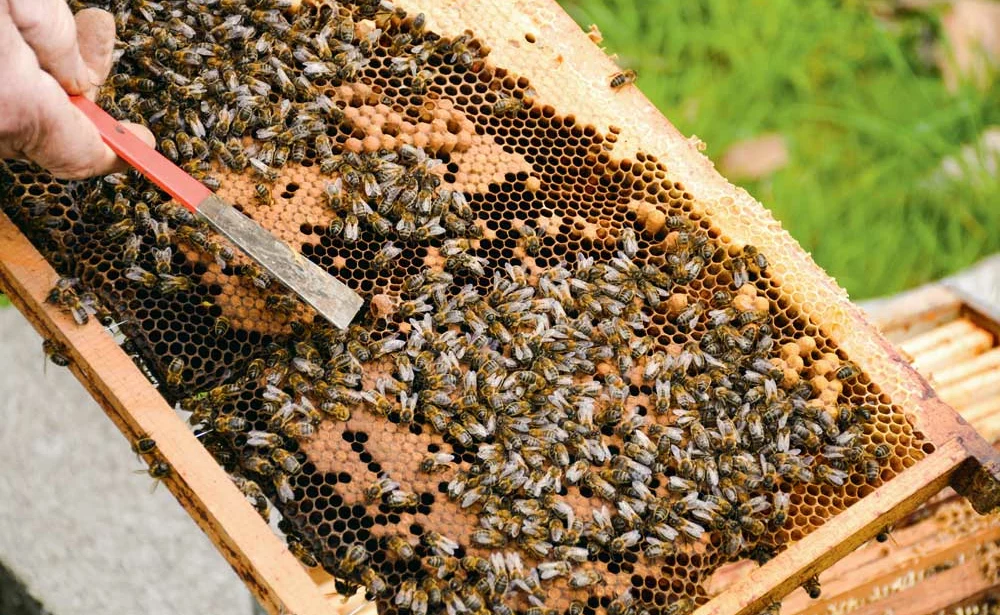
(353, 559)
(580, 579)
(779, 509)
(680, 607)
(507, 105)
(444, 566)
(283, 486)
(384, 257)
(221, 326)
(375, 583)
(756, 262)
(400, 547)
(184, 145)
(872, 470)
(281, 304)
(398, 499)
(740, 274)
(439, 544)
(486, 537)
(848, 415)
(175, 372)
(812, 587)
(623, 78)
(170, 284)
(831, 475)
(258, 277)
(351, 229)
(689, 317)
(459, 432)
(159, 470)
(622, 543)
(56, 353)
(162, 258)
(286, 461)
(263, 170)
(143, 445)
(299, 429)
(628, 242)
(848, 371)
(600, 486)
(419, 603)
(532, 242)
(161, 231)
(228, 424)
(622, 605)
(405, 594)
(300, 551)
(255, 494)
(120, 229)
(379, 487)
(130, 249)
(170, 150)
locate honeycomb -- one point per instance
(568, 391)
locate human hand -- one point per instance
(45, 54)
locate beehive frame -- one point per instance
(537, 41)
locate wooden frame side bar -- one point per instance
(202, 487)
(858, 524)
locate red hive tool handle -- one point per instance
(165, 174)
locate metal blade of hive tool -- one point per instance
(330, 297)
(333, 299)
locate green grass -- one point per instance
(866, 121)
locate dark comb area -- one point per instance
(567, 390)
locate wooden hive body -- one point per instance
(579, 162)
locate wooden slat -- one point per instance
(974, 389)
(914, 312)
(959, 348)
(201, 486)
(985, 416)
(936, 337)
(861, 581)
(989, 361)
(959, 584)
(831, 541)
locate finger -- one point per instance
(96, 37)
(49, 29)
(65, 141)
(38, 122)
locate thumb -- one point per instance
(67, 143)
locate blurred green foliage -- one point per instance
(865, 114)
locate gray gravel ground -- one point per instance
(78, 527)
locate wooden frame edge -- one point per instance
(830, 542)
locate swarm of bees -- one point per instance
(542, 379)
